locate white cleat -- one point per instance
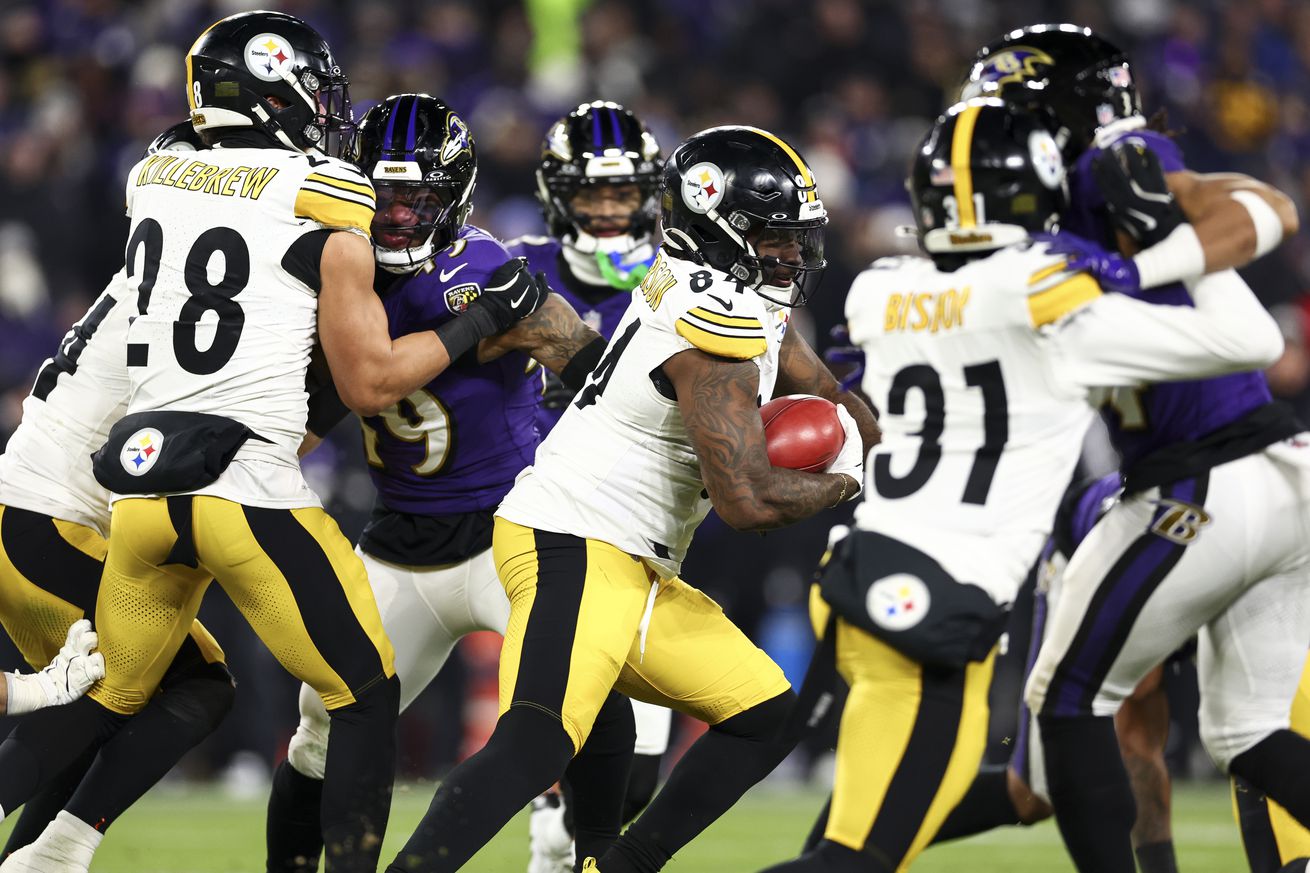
(548, 839)
(67, 845)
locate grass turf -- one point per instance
(189, 829)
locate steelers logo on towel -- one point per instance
(897, 602)
(141, 451)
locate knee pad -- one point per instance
(307, 751)
(202, 699)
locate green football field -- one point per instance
(184, 829)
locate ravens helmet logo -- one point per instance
(1010, 65)
(457, 139)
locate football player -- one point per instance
(1082, 79)
(982, 358)
(589, 541)
(596, 184)
(241, 255)
(1138, 588)
(443, 456)
(53, 521)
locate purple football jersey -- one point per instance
(1170, 412)
(455, 445)
(600, 311)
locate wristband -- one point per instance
(25, 693)
(465, 331)
(1177, 257)
(581, 364)
(1268, 226)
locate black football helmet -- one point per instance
(599, 143)
(1082, 78)
(987, 175)
(181, 137)
(420, 155)
(727, 192)
(243, 60)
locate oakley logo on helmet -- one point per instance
(268, 56)
(703, 187)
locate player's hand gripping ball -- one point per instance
(802, 432)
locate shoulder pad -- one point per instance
(1054, 292)
(337, 196)
(715, 332)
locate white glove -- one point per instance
(75, 669)
(850, 460)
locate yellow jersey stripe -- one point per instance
(190, 87)
(334, 182)
(331, 211)
(743, 322)
(961, 147)
(1055, 303)
(806, 175)
(1046, 272)
(737, 348)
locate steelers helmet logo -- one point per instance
(268, 56)
(141, 451)
(897, 602)
(702, 187)
(1047, 162)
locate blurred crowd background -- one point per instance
(85, 84)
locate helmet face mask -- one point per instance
(421, 157)
(599, 152)
(272, 72)
(743, 202)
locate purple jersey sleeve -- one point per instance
(1086, 216)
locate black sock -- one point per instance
(597, 779)
(44, 743)
(819, 828)
(294, 835)
(526, 753)
(1277, 766)
(1089, 787)
(42, 809)
(357, 778)
(1258, 840)
(643, 779)
(829, 857)
(716, 771)
(1157, 857)
(986, 805)
(186, 709)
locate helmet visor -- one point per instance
(408, 213)
(790, 260)
(335, 118)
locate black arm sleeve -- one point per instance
(325, 410)
(576, 370)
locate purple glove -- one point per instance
(1112, 270)
(845, 355)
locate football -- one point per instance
(802, 432)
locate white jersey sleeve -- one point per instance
(1121, 341)
(619, 466)
(78, 395)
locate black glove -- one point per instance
(511, 294)
(556, 395)
(1136, 193)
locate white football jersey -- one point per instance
(619, 466)
(78, 395)
(228, 323)
(983, 376)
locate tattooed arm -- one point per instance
(801, 372)
(717, 398)
(552, 335)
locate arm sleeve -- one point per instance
(1115, 340)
